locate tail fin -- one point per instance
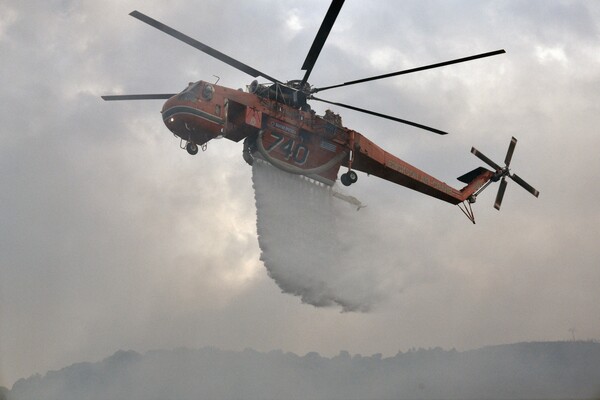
(476, 181)
(470, 176)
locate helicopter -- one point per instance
(277, 125)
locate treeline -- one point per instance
(550, 370)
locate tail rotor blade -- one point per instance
(511, 149)
(504, 172)
(500, 194)
(486, 160)
(525, 185)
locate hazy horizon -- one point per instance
(515, 371)
(339, 353)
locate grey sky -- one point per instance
(112, 238)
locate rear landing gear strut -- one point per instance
(350, 177)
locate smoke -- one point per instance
(316, 245)
(550, 370)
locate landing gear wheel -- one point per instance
(345, 180)
(191, 148)
(352, 176)
(349, 178)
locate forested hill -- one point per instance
(549, 370)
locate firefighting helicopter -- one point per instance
(278, 126)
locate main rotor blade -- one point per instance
(486, 160)
(525, 185)
(322, 34)
(201, 46)
(408, 71)
(162, 96)
(509, 153)
(500, 194)
(427, 128)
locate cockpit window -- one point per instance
(192, 92)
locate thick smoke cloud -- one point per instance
(552, 370)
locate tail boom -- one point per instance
(373, 160)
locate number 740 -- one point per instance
(291, 149)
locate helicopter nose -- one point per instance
(193, 121)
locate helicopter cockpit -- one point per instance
(197, 90)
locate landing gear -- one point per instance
(349, 178)
(192, 148)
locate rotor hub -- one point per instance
(298, 85)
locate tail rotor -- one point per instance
(501, 173)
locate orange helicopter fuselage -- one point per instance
(295, 139)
